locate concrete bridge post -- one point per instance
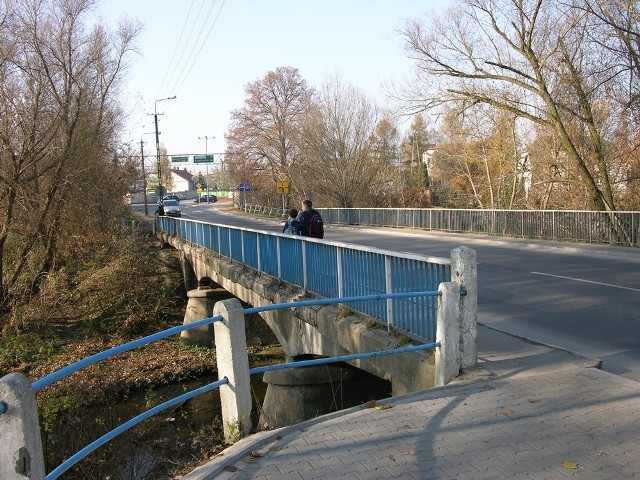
(201, 303)
(464, 271)
(188, 274)
(21, 446)
(233, 363)
(447, 358)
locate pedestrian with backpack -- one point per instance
(292, 225)
(311, 223)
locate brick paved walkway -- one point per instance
(529, 412)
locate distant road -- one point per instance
(582, 298)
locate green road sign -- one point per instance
(180, 159)
(203, 159)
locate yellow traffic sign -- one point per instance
(282, 187)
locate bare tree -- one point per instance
(532, 59)
(617, 31)
(59, 122)
(268, 125)
(340, 167)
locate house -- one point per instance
(182, 180)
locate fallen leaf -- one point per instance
(533, 400)
(231, 468)
(570, 465)
(392, 458)
(409, 451)
(256, 454)
(508, 411)
(386, 406)
(276, 448)
(370, 404)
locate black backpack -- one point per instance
(316, 225)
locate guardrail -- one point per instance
(21, 452)
(330, 269)
(614, 228)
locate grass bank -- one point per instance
(125, 287)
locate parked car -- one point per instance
(203, 199)
(171, 197)
(171, 208)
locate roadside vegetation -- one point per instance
(123, 287)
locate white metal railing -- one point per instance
(614, 228)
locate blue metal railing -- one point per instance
(330, 269)
(67, 464)
(62, 373)
(74, 367)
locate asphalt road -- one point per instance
(582, 298)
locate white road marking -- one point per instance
(587, 281)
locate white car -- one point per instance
(171, 208)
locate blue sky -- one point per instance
(355, 39)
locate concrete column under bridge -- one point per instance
(199, 306)
(298, 394)
(201, 302)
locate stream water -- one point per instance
(156, 447)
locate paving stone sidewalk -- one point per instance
(528, 412)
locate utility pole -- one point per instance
(206, 163)
(144, 178)
(155, 119)
(144, 173)
(159, 191)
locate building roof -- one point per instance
(182, 174)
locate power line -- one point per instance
(188, 49)
(186, 44)
(173, 55)
(177, 87)
(215, 20)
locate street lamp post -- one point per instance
(155, 118)
(144, 173)
(206, 163)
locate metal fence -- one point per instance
(614, 228)
(331, 269)
(25, 415)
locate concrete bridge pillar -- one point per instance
(200, 305)
(188, 274)
(298, 394)
(448, 355)
(21, 446)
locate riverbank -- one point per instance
(127, 288)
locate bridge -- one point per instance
(263, 268)
(426, 306)
(195, 277)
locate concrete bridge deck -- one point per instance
(528, 412)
